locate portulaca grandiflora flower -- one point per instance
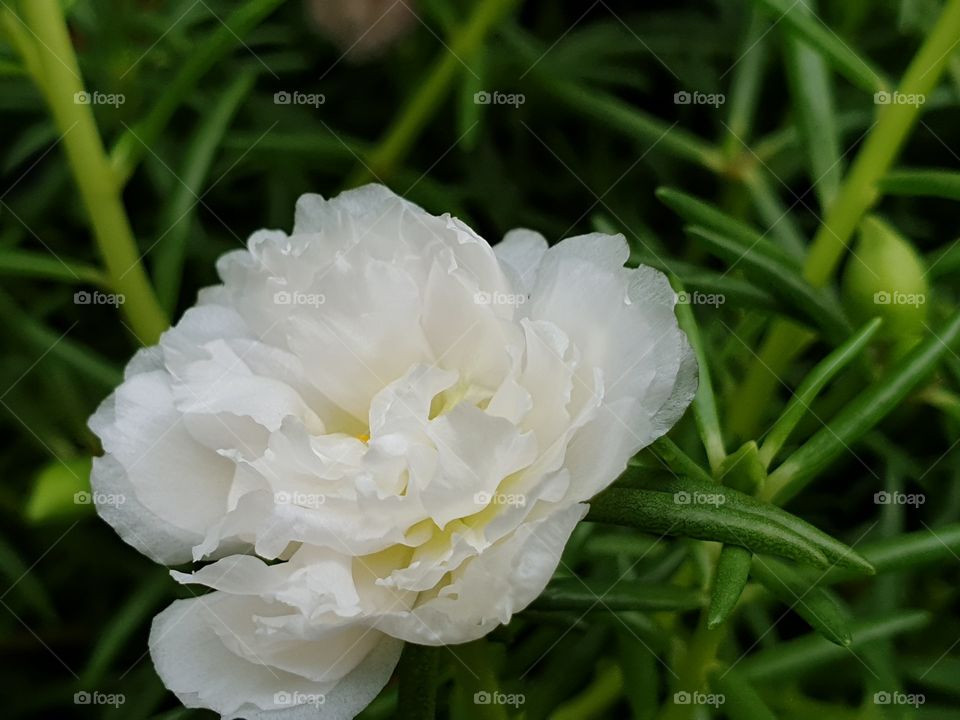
(377, 429)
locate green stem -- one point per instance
(474, 675)
(697, 663)
(91, 169)
(418, 682)
(396, 144)
(857, 194)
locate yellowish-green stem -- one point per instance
(414, 116)
(57, 65)
(859, 191)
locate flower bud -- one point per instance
(885, 277)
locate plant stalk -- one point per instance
(858, 193)
(91, 169)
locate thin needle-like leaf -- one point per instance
(177, 216)
(868, 409)
(813, 651)
(922, 183)
(812, 91)
(811, 386)
(825, 41)
(704, 402)
(733, 570)
(820, 307)
(814, 604)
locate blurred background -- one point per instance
(561, 117)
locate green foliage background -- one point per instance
(754, 201)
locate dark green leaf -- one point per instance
(813, 651)
(584, 595)
(825, 41)
(762, 512)
(868, 409)
(814, 604)
(811, 386)
(923, 183)
(818, 305)
(741, 701)
(733, 569)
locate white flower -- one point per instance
(410, 419)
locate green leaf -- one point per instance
(563, 671)
(811, 386)
(55, 490)
(922, 183)
(127, 620)
(597, 698)
(24, 584)
(640, 679)
(835, 51)
(697, 212)
(735, 501)
(778, 218)
(741, 701)
(704, 403)
(734, 290)
(768, 266)
(813, 651)
(868, 409)
(910, 551)
(583, 595)
(812, 92)
(677, 460)
(177, 216)
(612, 112)
(82, 359)
(814, 604)
(25, 263)
(743, 470)
(710, 518)
(944, 261)
(938, 672)
(131, 146)
(473, 672)
(733, 569)
(817, 305)
(746, 83)
(470, 113)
